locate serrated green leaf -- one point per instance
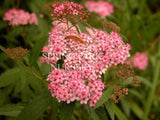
(106, 95)
(66, 111)
(119, 113)
(35, 109)
(9, 77)
(109, 108)
(35, 52)
(92, 113)
(12, 110)
(28, 79)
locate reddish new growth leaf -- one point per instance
(69, 11)
(16, 53)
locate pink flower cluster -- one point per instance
(20, 17)
(84, 63)
(140, 60)
(69, 10)
(103, 8)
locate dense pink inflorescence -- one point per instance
(103, 8)
(80, 78)
(69, 10)
(20, 17)
(140, 60)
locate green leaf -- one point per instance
(55, 105)
(89, 26)
(28, 79)
(35, 109)
(119, 113)
(126, 107)
(151, 93)
(35, 52)
(105, 75)
(10, 76)
(106, 95)
(82, 28)
(92, 112)
(12, 110)
(66, 111)
(145, 81)
(135, 108)
(77, 29)
(37, 69)
(136, 93)
(109, 107)
(101, 113)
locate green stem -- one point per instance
(153, 89)
(37, 76)
(18, 2)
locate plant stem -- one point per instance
(153, 89)
(37, 76)
(18, 2)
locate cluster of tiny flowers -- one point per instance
(68, 11)
(140, 60)
(127, 77)
(16, 53)
(119, 93)
(111, 26)
(103, 8)
(86, 59)
(20, 17)
(125, 72)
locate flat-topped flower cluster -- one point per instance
(102, 8)
(69, 10)
(86, 59)
(20, 17)
(140, 60)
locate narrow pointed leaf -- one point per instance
(12, 110)
(35, 109)
(66, 111)
(92, 113)
(119, 113)
(109, 108)
(35, 52)
(136, 109)
(106, 95)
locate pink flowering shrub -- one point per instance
(86, 59)
(20, 17)
(140, 60)
(103, 8)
